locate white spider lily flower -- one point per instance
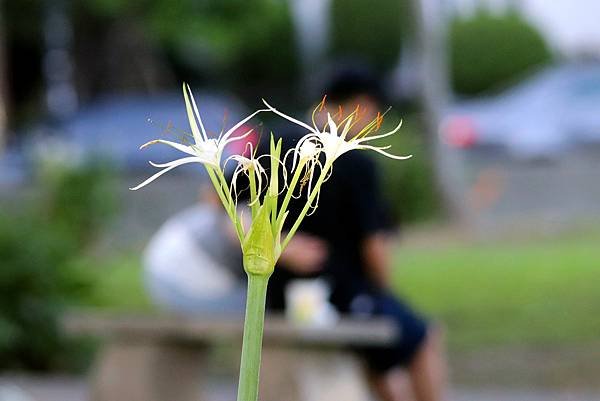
(306, 157)
(204, 150)
(308, 150)
(334, 143)
(249, 166)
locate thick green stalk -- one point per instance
(253, 334)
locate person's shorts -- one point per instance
(412, 329)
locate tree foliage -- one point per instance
(372, 32)
(488, 50)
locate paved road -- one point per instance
(60, 388)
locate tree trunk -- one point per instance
(3, 89)
(431, 31)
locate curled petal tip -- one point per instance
(148, 144)
(267, 104)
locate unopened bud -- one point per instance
(258, 248)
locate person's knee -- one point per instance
(434, 342)
(436, 335)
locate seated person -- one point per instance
(347, 243)
(193, 264)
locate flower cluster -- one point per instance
(262, 242)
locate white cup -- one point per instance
(307, 303)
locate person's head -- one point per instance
(347, 87)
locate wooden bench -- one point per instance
(163, 357)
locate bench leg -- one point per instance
(148, 372)
(319, 375)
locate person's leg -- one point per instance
(393, 385)
(419, 350)
(426, 378)
(428, 372)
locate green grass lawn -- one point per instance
(536, 292)
(542, 292)
(119, 284)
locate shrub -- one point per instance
(409, 185)
(39, 276)
(488, 50)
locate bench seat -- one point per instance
(160, 357)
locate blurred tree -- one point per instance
(409, 188)
(145, 45)
(23, 49)
(488, 50)
(368, 31)
(3, 101)
(239, 40)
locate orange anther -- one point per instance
(322, 104)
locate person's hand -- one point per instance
(305, 254)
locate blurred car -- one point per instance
(540, 118)
(113, 128)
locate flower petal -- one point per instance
(235, 138)
(178, 162)
(191, 108)
(292, 119)
(332, 126)
(174, 164)
(392, 132)
(235, 127)
(347, 127)
(183, 148)
(383, 152)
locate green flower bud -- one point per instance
(259, 245)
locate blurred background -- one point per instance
(499, 207)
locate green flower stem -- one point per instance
(226, 200)
(253, 334)
(290, 192)
(254, 204)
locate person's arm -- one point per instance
(305, 254)
(376, 254)
(373, 219)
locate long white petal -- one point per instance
(197, 114)
(332, 126)
(183, 148)
(292, 119)
(235, 138)
(163, 171)
(383, 152)
(238, 125)
(347, 127)
(392, 132)
(198, 137)
(178, 162)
